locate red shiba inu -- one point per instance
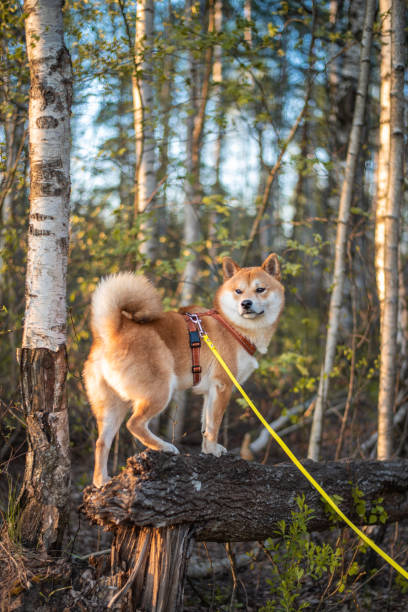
(141, 354)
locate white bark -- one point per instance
(342, 222)
(143, 101)
(386, 397)
(383, 166)
(49, 129)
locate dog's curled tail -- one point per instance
(123, 295)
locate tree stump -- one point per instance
(160, 502)
(152, 562)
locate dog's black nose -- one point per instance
(246, 304)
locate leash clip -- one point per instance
(197, 321)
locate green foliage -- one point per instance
(376, 513)
(401, 583)
(359, 502)
(296, 558)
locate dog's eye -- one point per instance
(260, 289)
(238, 291)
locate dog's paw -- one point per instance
(212, 448)
(170, 448)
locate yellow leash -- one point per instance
(300, 467)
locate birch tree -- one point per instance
(388, 213)
(143, 101)
(43, 362)
(342, 223)
(383, 148)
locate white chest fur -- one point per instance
(246, 365)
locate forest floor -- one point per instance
(229, 580)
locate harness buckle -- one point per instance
(197, 321)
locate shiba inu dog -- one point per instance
(141, 354)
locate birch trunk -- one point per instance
(342, 222)
(383, 162)
(386, 397)
(143, 103)
(195, 128)
(43, 363)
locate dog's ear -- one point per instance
(229, 268)
(271, 266)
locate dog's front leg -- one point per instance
(215, 403)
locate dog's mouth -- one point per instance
(251, 314)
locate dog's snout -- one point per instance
(246, 304)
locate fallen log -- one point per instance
(160, 502)
(228, 499)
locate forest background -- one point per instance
(222, 128)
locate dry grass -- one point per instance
(21, 569)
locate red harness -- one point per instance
(195, 331)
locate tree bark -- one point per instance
(43, 363)
(229, 499)
(388, 359)
(46, 486)
(342, 223)
(49, 135)
(143, 102)
(149, 567)
(383, 159)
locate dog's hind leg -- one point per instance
(109, 418)
(215, 403)
(144, 409)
